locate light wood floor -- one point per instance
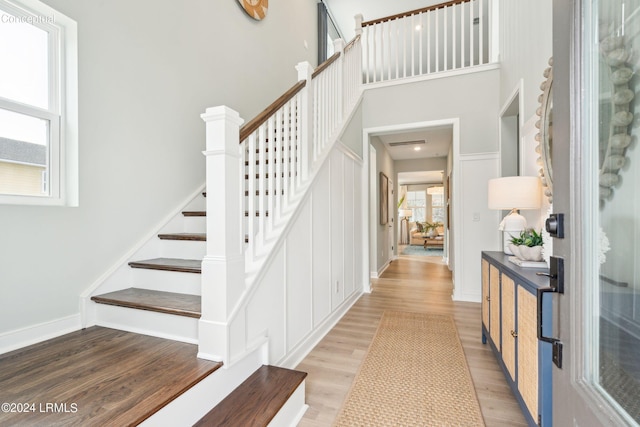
(416, 284)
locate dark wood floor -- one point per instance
(96, 377)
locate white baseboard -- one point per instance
(301, 350)
(19, 338)
(467, 296)
(383, 268)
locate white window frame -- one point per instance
(62, 114)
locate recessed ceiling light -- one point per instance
(416, 148)
(418, 27)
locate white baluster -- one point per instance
(420, 34)
(287, 152)
(412, 32)
(270, 178)
(280, 158)
(480, 33)
(306, 118)
(262, 186)
(462, 38)
(253, 197)
(471, 36)
(428, 28)
(299, 152)
(445, 28)
(404, 49)
(454, 29)
(436, 15)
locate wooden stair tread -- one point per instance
(115, 377)
(194, 213)
(158, 301)
(170, 264)
(257, 400)
(200, 237)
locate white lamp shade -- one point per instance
(405, 212)
(515, 192)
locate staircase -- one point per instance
(161, 296)
(207, 276)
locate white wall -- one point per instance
(472, 100)
(314, 276)
(473, 97)
(525, 49)
(384, 164)
(147, 70)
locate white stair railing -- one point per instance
(269, 161)
(444, 37)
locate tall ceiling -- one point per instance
(343, 11)
(437, 140)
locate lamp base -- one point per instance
(512, 225)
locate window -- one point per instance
(38, 105)
(437, 208)
(417, 202)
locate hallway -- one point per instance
(416, 284)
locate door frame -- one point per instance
(575, 400)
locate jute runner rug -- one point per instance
(414, 374)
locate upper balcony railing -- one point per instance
(444, 37)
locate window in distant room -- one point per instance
(417, 202)
(38, 105)
(437, 205)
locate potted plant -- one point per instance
(430, 228)
(528, 245)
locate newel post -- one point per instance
(223, 270)
(305, 72)
(359, 18)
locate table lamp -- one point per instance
(513, 193)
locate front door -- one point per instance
(596, 184)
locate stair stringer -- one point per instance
(243, 332)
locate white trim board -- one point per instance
(34, 334)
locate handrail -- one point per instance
(325, 65)
(352, 43)
(258, 120)
(414, 12)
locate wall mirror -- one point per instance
(545, 134)
(614, 112)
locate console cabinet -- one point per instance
(510, 327)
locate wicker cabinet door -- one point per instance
(485, 293)
(509, 325)
(494, 305)
(528, 350)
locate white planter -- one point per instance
(526, 253)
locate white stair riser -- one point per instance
(197, 204)
(166, 281)
(169, 326)
(195, 224)
(184, 249)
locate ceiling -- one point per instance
(343, 11)
(432, 142)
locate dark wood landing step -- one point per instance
(257, 400)
(170, 264)
(111, 377)
(199, 237)
(161, 302)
